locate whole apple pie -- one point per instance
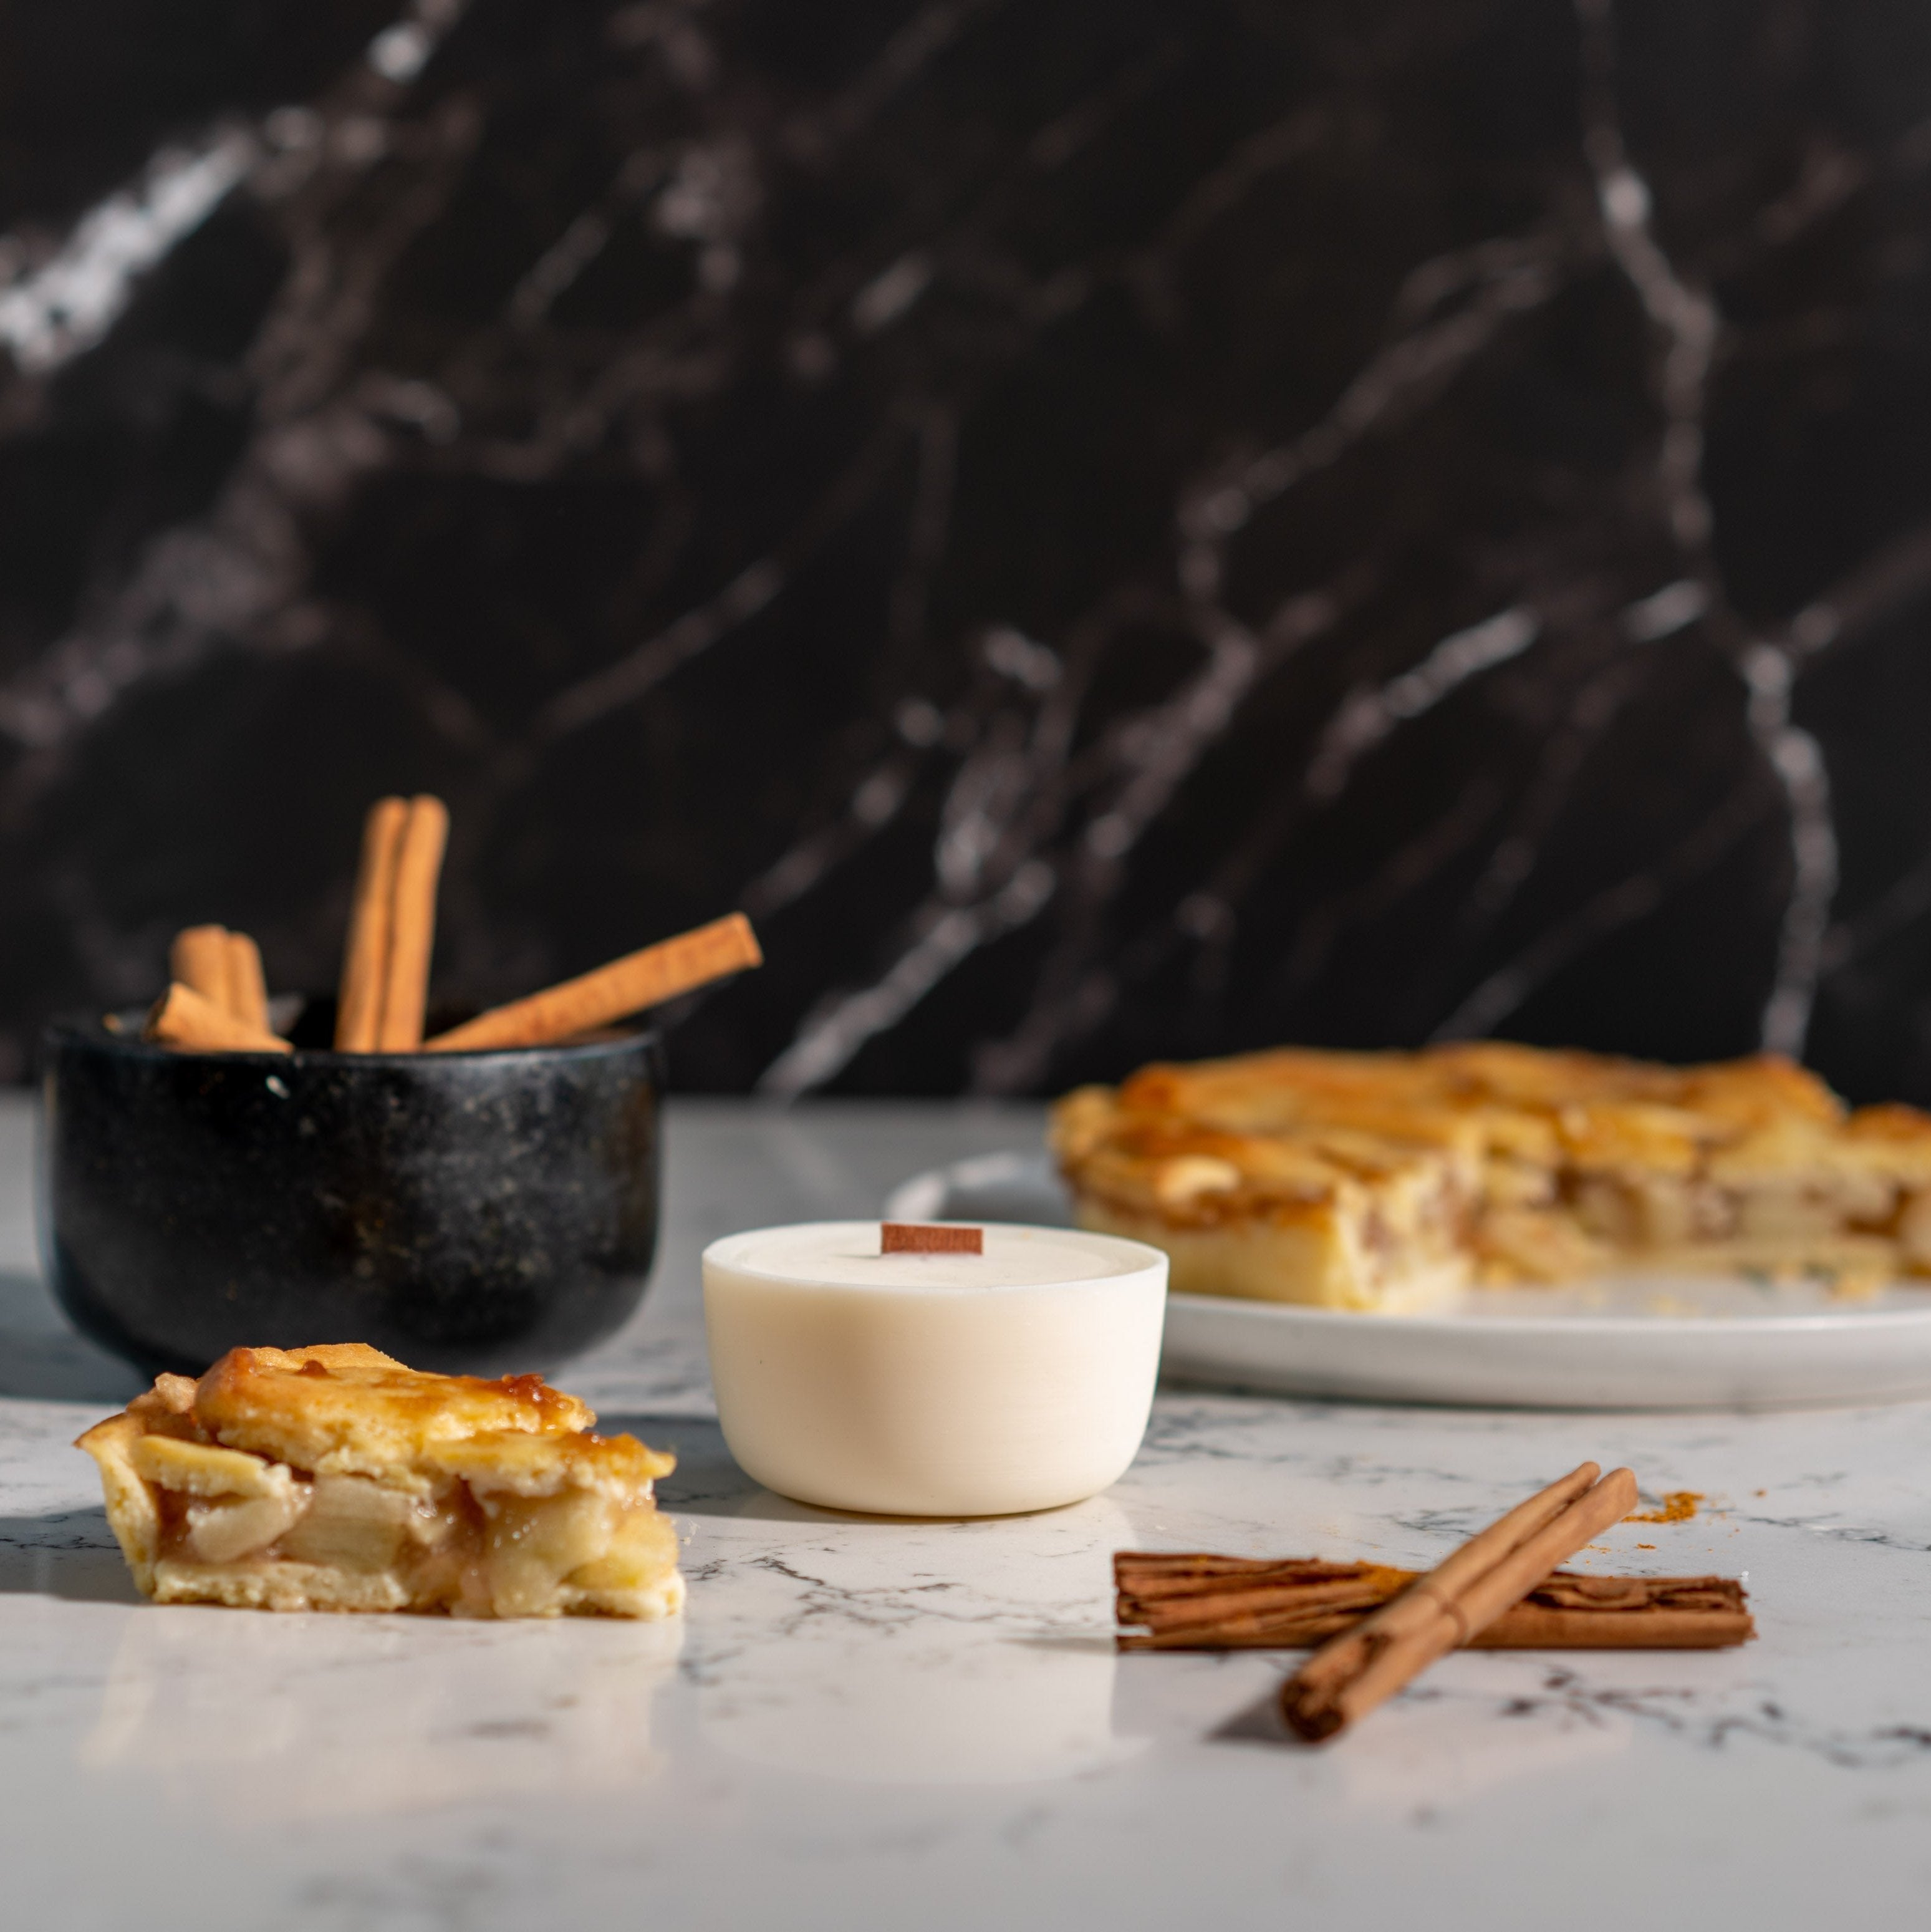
(1386, 1181)
(334, 1478)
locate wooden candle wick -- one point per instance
(1350, 1674)
(907, 1237)
(184, 1018)
(613, 992)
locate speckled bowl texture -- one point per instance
(485, 1213)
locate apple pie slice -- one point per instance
(334, 1478)
(1383, 1181)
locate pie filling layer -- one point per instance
(334, 1478)
(1387, 1182)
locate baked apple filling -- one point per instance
(334, 1478)
(1385, 1181)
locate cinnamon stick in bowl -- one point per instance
(184, 1018)
(419, 869)
(199, 959)
(385, 985)
(225, 968)
(365, 961)
(247, 984)
(627, 985)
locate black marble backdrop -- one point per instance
(1111, 527)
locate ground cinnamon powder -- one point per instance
(1678, 1506)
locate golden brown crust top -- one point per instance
(1298, 1123)
(1195, 1174)
(1491, 1086)
(514, 1463)
(346, 1408)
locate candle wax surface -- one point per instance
(845, 1255)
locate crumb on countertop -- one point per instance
(1678, 1506)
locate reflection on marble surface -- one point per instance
(1110, 529)
(832, 1667)
(309, 1717)
(942, 1712)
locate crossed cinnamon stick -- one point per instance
(1378, 1628)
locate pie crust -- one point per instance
(334, 1478)
(1387, 1181)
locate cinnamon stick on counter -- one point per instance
(613, 992)
(183, 1018)
(1452, 1604)
(418, 868)
(1186, 1601)
(358, 1006)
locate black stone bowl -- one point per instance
(480, 1212)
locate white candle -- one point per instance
(933, 1384)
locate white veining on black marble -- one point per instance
(69, 302)
(1108, 533)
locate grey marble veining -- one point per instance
(872, 1723)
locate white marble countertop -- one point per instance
(876, 1724)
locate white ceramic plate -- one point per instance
(1631, 1341)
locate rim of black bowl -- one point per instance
(93, 1030)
